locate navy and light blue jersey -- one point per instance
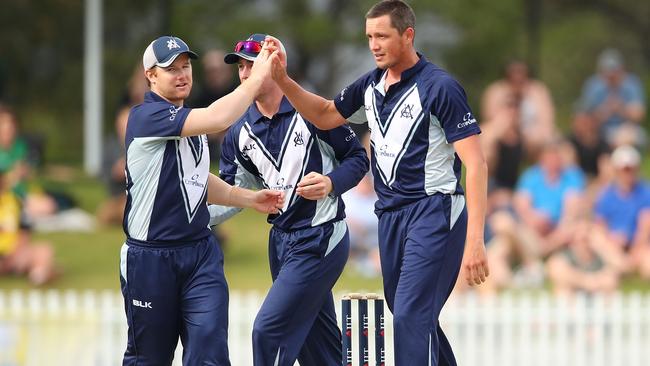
(166, 174)
(276, 153)
(413, 126)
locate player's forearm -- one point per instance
(223, 112)
(352, 169)
(316, 109)
(222, 193)
(476, 193)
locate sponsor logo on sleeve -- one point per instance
(173, 111)
(468, 119)
(343, 93)
(351, 136)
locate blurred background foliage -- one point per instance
(41, 57)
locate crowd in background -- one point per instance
(567, 208)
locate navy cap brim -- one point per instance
(233, 57)
(191, 54)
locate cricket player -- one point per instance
(422, 130)
(273, 146)
(171, 266)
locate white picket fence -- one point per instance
(88, 328)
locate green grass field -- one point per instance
(91, 260)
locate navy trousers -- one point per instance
(172, 292)
(421, 248)
(297, 319)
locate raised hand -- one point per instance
(314, 186)
(274, 44)
(263, 63)
(278, 56)
(268, 201)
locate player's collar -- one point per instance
(255, 115)
(415, 68)
(151, 97)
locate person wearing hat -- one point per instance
(614, 97)
(623, 210)
(171, 266)
(273, 146)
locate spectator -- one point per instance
(623, 210)
(512, 254)
(13, 152)
(615, 99)
(503, 149)
(583, 265)
(218, 80)
(535, 106)
(17, 254)
(589, 145)
(549, 196)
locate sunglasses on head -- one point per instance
(248, 46)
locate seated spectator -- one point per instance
(623, 210)
(615, 99)
(502, 146)
(535, 106)
(13, 153)
(589, 145)
(583, 265)
(44, 208)
(17, 254)
(512, 255)
(37, 202)
(549, 196)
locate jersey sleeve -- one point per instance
(451, 109)
(349, 155)
(159, 119)
(234, 173)
(232, 168)
(350, 99)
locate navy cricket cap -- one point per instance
(164, 50)
(243, 51)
